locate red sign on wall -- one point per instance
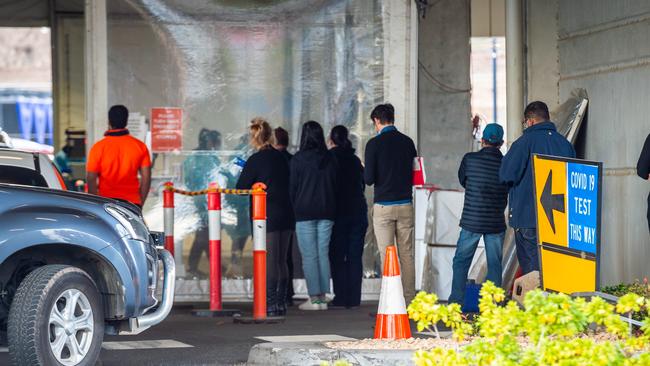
(166, 129)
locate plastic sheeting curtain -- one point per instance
(225, 62)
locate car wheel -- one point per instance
(56, 318)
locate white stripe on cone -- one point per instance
(391, 298)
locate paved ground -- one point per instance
(220, 341)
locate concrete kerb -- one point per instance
(313, 353)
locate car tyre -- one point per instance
(56, 318)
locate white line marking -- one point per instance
(4, 349)
(306, 338)
(157, 344)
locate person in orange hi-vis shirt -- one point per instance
(115, 161)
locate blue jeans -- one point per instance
(527, 255)
(314, 243)
(465, 249)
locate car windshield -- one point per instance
(20, 175)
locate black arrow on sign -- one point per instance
(551, 201)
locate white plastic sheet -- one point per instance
(226, 61)
(442, 231)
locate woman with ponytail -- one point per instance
(267, 165)
(346, 246)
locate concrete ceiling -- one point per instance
(35, 13)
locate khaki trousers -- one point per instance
(394, 226)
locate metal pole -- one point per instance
(168, 212)
(514, 69)
(494, 80)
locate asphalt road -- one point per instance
(218, 341)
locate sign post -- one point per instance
(568, 208)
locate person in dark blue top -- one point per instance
(540, 137)
(483, 213)
(350, 224)
(389, 168)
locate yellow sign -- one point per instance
(551, 191)
(567, 203)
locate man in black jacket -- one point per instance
(483, 213)
(643, 168)
(389, 167)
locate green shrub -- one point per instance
(552, 329)
(641, 288)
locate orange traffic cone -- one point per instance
(392, 320)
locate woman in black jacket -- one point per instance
(313, 194)
(269, 166)
(351, 223)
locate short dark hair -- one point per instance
(487, 143)
(385, 113)
(118, 116)
(538, 110)
(312, 137)
(281, 136)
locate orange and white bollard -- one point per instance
(392, 319)
(214, 245)
(259, 259)
(259, 251)
(168, 216)
(214, 237)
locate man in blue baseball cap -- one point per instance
(483, 213)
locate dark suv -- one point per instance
(74, 267)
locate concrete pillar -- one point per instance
(400, 63)
(444, 120)
(514, 68)
(96, 71)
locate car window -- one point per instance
(20, 175)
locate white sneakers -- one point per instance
(313, 304)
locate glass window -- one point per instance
(23, 176)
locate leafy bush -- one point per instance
(641, 288)
(341, 362)
(553, 329)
